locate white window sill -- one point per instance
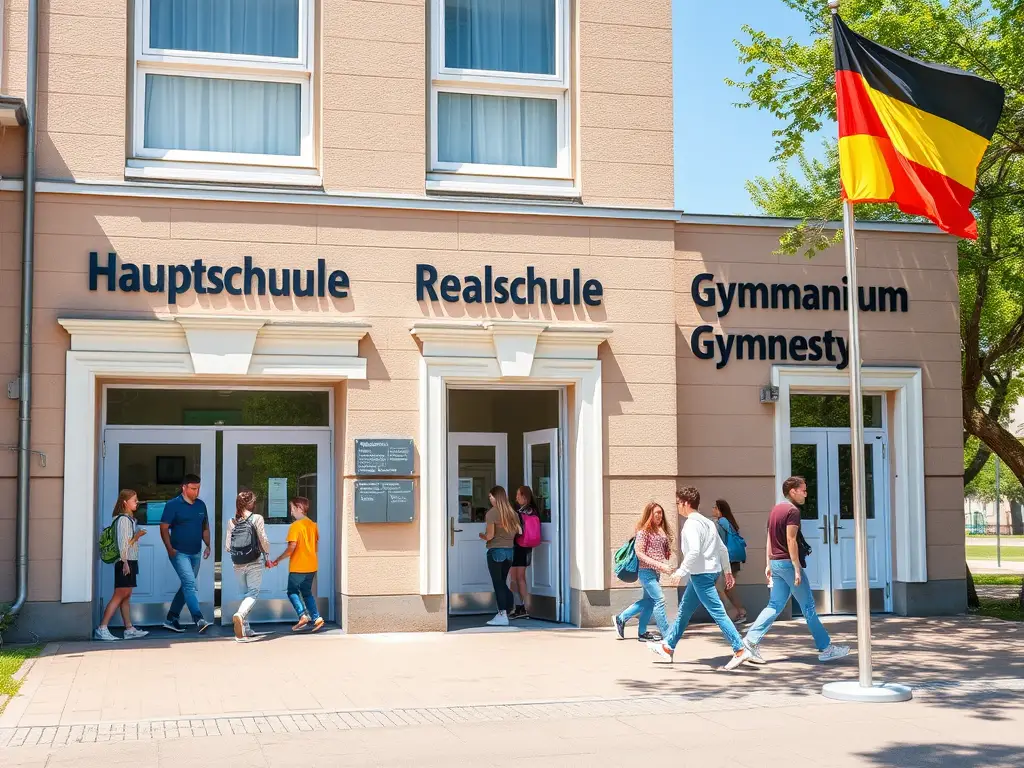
(149, 170)
(504, 186)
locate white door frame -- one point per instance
(906, 448)
(549, 437)
(151, 613)
(530, 353)
(481, 600)
(175, 348)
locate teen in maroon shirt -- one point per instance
(786, 577)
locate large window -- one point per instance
(223, 91)
(500, 96)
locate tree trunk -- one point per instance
(978, 463)
(972, 591)
(1002, 442)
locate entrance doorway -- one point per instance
(521, 446)
(276, 443)
(822, 456)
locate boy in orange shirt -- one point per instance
(303, 538)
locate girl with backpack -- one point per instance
(502, 528)
(246, 541)
(653, 546)
(522, 550)
(126, 568)
(729, 531)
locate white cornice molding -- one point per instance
(505, 339)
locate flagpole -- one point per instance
(864, 689)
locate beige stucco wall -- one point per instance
(370, 91)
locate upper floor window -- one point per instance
(223, 90)
(500, 103)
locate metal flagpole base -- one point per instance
(879, 693)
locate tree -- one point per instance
(796, 83)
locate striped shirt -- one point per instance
(125, 530)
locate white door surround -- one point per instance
(906, 442)
(180, 347)
(505, 352)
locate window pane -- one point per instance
(217, 408)
(216, 115)
(497, 130)
(249, 27)
(804, 462)
(155, 471)
(477, 475)
(832, 411)
(540, 473)
(846, 482)
(277, 473)
(500, 35)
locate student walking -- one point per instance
(301, 554)
(185, 530)
(653, 547)
(500, 532)
(245, 540)
(126, 568)
(522, 555)
(704, 555)
(785, 575)
(729, 530)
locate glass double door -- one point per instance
(478, 461)
(277, 464)
(822, 457)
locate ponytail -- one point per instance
(244, 502)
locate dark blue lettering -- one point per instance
(229, 280)
(471, 294)
(285, 288)
(250, 273)
(703, 297)
(519, 282)
(532, 283)
(180, 280)
(147, 278)
(488, 288)
(450, 288)
(198, 271)
(426, 276)
(798, 349)
(338, 284)
(565, 292)
(130, 280)
(215, 275)
(500, 291)
(592, 292)
(576, 287)
(703, 349)
(321, 278)
(297, 288)
(109, 271)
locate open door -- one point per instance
(540, 467)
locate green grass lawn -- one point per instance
(11, 659)
(1007, 610)
(985, 552)
(997, 579)
(992, 535)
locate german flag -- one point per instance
(911, 133)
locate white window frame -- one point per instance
(240, 167)
(514, 179)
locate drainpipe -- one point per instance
(27, 280)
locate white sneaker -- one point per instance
(658, 648)
(134, 633)
(102, 633)
(834, 652)
(500, 620)
(755, 654)
(743, 654)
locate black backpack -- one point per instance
(245, 543)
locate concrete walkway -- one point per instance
(565, 697)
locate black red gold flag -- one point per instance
(911, 133)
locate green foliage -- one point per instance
(796, 83)
(983, 486)
(11, 659)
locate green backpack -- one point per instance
(109, 552)
(626, 565)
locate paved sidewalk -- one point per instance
(566, 697)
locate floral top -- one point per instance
(652, 549)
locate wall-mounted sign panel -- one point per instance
(384, 501)
(384, 457)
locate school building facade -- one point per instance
(387, 255)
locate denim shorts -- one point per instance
(501, 554)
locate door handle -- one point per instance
(835, 529)
(824, 536)
(452, 530)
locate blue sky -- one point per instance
(718, 146)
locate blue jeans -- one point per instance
(300, 592)
(499, 563)
(782, 586)
(701, 591)
(651, 604)
(187, 568)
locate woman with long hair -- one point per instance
(126, 569)
(502, 527)
(521, 557)
(728, 527)
(653, 545)
(246, 541)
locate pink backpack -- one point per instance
(530, 537)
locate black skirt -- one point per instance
(521, 556)
(120, 580)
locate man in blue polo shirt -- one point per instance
(185, 528)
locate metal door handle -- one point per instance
(452, 530)
(835, 529)
(824, 536)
